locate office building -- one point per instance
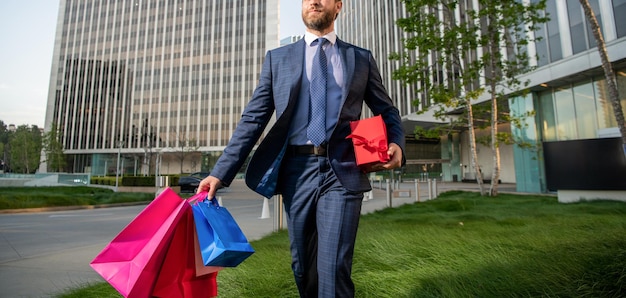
(572, 116)
(371, 25)
(290, 39)
(154, 80)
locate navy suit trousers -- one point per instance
(322, 220)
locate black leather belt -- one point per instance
(306, 150)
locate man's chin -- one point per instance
(317, 25)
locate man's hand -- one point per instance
(395, 157)
(209, 184)
(395, 160)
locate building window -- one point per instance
(565, 115)
(579, 111)
(577, 26)
(546, 117)
(619, 11)
(585, 103)
(596, 10)
(606, 116)
(541, 45)
(554, 34)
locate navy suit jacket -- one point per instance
(278, 91)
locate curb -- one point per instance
(69, 208)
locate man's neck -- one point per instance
(322, 32)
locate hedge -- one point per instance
(132, 180)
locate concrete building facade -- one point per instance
(166, 81)
(568, 98)
(154, 80)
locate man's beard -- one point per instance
(319, 24)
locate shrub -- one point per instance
(138, 181)
(132, 180)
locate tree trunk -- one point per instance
(611, 81)
(459, 60)
(472, 141)
(495, 148)
(182, 158)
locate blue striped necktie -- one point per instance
(316, 131)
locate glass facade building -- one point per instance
(568, 98)
(154, 77)
(371, 25)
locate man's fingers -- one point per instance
(211, 193)
(209, 184)
(396, 155)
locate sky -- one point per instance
(27, 33)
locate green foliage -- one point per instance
(54, 150)
(421, 133)
(125, 180)
(4, 146)
(107, 180)
(446, 56)
(4, 133)
(100, 290)
(460, 245)
(25, 147)
(174, 179)
(138, 181)
(131, 180)
(37, 197)
(455, 60)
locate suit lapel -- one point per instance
(296, 57)
(347, 57)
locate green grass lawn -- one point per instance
(459, 245)
(55, 196)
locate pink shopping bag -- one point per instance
(179, 276)
(132, 260)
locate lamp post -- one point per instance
(157, 172)
(117, 171)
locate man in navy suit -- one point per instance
(320, 182)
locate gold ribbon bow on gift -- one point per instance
(377, 144)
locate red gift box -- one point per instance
(369, 137)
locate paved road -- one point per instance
(49, 252)
(46, 253)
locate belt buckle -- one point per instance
(320, 150)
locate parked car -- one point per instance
(189, 184)
(200, 175)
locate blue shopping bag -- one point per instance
(222, 243)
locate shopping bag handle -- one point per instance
(199, 197)
(203, 196)
(214, 201)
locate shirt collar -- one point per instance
(310, 37)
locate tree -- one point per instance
(454, 55)
(150, 142)
(53, 148)
(184, 147)
(609, 75)
(4, 147)
(25, 149)
(507, 25)
(435, 64)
